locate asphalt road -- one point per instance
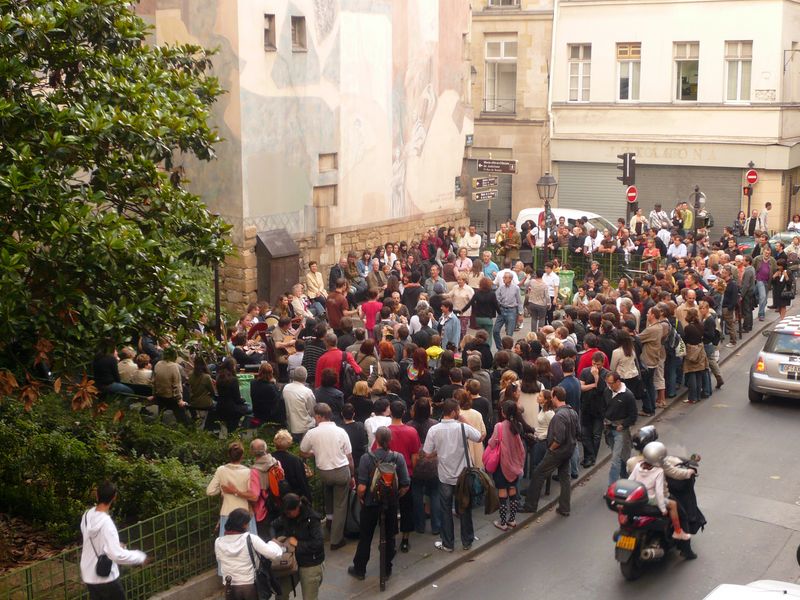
(749, 490)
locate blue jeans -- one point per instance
(448, 534)
(316, 308)
(573, 462)
(620, 443)
(672, 374)
(419, 489)
(117, 388)
(507, 316)
(761, 294)
(694, 381)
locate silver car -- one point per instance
(776, 371)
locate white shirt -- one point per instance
(233, 556)
(299, 401)
(498, 278)
(664, 236)
(472, 243)
(446, 440)
(372, 424)
(100, 535)
(553, 282)
(329, 444)
(591, 245)
(676, 251)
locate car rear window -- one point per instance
(783, 343)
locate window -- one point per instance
(502, 3)
(269, 32)
(299, 34)
(580, 71)
(629, 58)
(328, 162)
(687, 64)
(738, 63)
(501, 75)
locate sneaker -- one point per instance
(404, 545)
(500, 526)
(512, 524)
(681, 535)
(730, 345)
(440, 546)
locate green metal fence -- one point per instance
(614, 266)
(179, 543)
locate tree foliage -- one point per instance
(95, 242)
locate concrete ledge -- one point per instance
(205, 585)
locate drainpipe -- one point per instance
(550, 83)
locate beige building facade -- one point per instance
(511, 41)
(697, 89)
(344, 121)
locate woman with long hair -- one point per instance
(416, 373)
(508, 436)
(267, 402)
(623, 361)
(544, 372)
(230, 405)
(484, 306)
(782, 288)
(547, 411)
(738, 224)
(695, 362)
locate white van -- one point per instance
(570, 215)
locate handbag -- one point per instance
(491, 455)
(104, 564)
(265, 581)
(286, 564)
(426, 469)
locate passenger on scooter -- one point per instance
(650, 474)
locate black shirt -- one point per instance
(358, 439)
(362, 406)
(621, 408)
(563, 430)
(106, 370)
(593, 401)
(294, 472)
(334, 398)
(268, 404)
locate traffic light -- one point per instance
(628, 168)
(747, 190)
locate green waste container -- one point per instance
(566, 279)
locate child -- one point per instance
(434, 351)
(652, 477)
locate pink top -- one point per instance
(371, 309)
(512, 451)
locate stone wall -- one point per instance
(238, 276)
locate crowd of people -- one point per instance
(413, 354)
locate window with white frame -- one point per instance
(738, 65)
(580, 71)
(687, 67)
(629, 61)
(501, 75)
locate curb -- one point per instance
(585, 476)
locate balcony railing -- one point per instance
(500, 105)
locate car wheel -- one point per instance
(755, 397)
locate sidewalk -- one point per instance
(423, 564)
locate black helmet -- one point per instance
(644, 436)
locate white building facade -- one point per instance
(696, 88)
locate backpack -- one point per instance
(674, 342)
(347, 376)
(286, 564)
(275, 490)
(383, 485)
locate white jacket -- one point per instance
(233, 556)
(100, 535)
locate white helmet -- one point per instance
(654, 453)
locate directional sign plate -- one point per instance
(485, 195)
(489, 165)
(480, 183)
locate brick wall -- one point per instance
(238, 276)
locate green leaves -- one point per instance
(90, 226)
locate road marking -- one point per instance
(720, 405)
(774, 476)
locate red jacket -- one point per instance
(332, 359)
(584, 361)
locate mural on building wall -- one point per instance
(378, 83)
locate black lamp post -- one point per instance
(546, 188)
(699, 201)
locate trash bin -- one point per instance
(565, 283)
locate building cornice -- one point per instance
(766, 106)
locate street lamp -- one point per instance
(699, 202)
(546, 188)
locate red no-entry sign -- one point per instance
(631, 193)
(751, 176)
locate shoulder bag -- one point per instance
(491, 455)
(265, 581)
(103, 566)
